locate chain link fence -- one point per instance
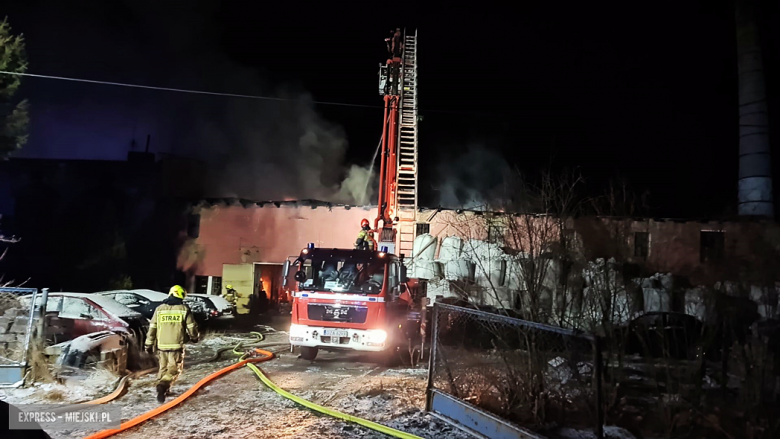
(529, 374)
(16, 332)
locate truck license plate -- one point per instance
(336, 333)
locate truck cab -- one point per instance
(347, 300)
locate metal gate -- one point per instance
(490, 374)
(17, 317)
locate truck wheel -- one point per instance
(309, 353)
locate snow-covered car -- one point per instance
(142, 301)
(210, 307)
(71, 315)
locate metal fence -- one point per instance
(17, 329)
(504, 377)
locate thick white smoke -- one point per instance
(278, 151)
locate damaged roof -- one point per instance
(234, 201)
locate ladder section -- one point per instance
(406, 194)
(407, 138)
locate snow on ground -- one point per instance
(610, 432)
(238, 405)
(420, 371)
(81, 388)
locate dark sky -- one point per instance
(641, 91)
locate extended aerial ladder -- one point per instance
(361, 299)
(398, 167)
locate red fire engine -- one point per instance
(350, 299)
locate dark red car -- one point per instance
(71, 315)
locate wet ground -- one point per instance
(239, 405)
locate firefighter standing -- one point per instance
(171, 326)
(230, 294)
(365, 239)
(394, 44)
(243, 300)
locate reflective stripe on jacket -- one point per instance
(169, 327)
(365, 240)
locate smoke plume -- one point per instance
(254, 149)
(472, 180)
(257, 149)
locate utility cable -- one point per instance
(230, 95)
(184, 90)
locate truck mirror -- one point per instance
(300, 276)
(285, 273)
(404, 277)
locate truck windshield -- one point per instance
(346, 275)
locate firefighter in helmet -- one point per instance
(230, 294)
(394, 44)
(365, 239)
(171, 326)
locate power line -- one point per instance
(183, 90)
(231, 95)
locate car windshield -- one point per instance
(113, 306)
(346, 275)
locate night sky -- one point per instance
(645, 92)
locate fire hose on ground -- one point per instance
(247, 358)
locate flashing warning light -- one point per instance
(383, 249)
(310, 246)
(305, 251)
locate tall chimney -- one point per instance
(755, 168)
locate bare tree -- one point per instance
(521, 249)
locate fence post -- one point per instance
(432, 358)
(40, 340)
(597, 382)
(28, 334)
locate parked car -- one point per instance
(207, 307)
(142, 301)
(71, 315)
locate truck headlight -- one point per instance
(297, 330)
(377, 335)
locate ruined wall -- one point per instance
(675, 246)
(271, 232)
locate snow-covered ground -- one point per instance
(238, 405)
(87, 387)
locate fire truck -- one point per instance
(352, 299)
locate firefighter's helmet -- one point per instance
(177, 291)
(229, 287)
(364, 223)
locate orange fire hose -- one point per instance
(266, 355)
(119, 388)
